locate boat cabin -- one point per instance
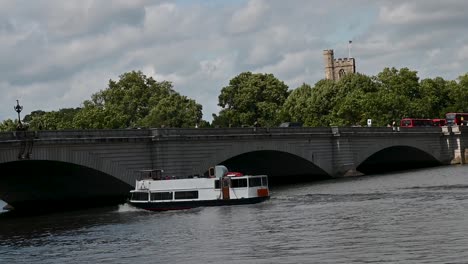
(155, 192)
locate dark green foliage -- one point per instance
(295, 108)
(54, 120)
(390, 96)
(133, 101)
(8, 125)
(139, 101)
(251, 98)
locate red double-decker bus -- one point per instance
(456, 119)
(416, 122)
(438, 122)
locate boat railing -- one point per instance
(150, 174)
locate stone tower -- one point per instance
(335, 69)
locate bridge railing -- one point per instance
(76, 134)
(174, 132)
(95, 133)
(388, 129)
(168, 132)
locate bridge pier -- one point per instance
(459, 142)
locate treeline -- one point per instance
(136, 100)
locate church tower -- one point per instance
(335, 69)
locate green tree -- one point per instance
(295, 108)
(458, 92)
(137, 100)
(323, 100)
(34, 114)
(353, 106)
(54, 120)
(8, 125)
(251, 98)
(132, 97)
(402, 86)
(174, 111)
(92, 116)
(435, 98)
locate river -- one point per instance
(418, 216)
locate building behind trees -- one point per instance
(335, 69)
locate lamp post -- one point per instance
(18, 108)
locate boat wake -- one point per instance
(123, 208)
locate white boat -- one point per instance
(156, 192)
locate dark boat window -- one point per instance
(161, 196)
(140, 196)
(238, 183)
(217, 184)
(253, 182)
(264, 181)
(186, 195)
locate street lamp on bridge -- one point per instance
(18, 108)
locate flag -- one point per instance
(350, 42)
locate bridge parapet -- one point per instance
(95, 133)
(168, 132)
(74, 134)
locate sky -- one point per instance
(55, 54)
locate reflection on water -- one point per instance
(413, 217)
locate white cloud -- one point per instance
(463, 53)
(248, 18)
(55, 54)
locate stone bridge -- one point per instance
(85, 164)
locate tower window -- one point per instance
(341, 73)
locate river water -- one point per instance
(411, 217)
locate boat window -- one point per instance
(217, 184)
(238, 183)
(161, 196)
(140, 196)
(264, 181)
(253, 182)
(186, 195)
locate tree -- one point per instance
(28, 118)
(54, 120)
(132, 98)
(93, 116)
(402, 88)
(355, 93)
(251, 98)
(295, 107)
(322, 102)
(458, 92)
(435, 98)
(403, 82)
(137, 100)
(8, 125)
(174, 111)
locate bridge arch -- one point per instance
(105, 159)
(280, 166)
(38, 184)
(394, 158)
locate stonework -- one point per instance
(335, 69)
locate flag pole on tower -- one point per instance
(349, 48)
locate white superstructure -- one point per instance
(156, 192)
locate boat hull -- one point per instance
(166, 206)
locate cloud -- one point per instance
(56, 54)
(248, 18)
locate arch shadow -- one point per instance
(42, 185)
(397, 158)
(281, 167)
